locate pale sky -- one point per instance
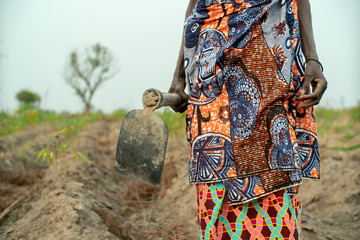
(37, 36)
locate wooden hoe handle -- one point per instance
(154, 99)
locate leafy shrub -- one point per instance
(27, 97)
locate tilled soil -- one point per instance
(88, 200)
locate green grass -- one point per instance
(350, 148)
(119, 114)
(174, 121)
(27, 116)
(349, 137)
(327, 121)
(67, 123)
(30, 116)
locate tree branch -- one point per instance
(86, 74)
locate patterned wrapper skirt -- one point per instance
(274, 216)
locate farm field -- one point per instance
(57, 181)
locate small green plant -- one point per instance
(68, 129)
(82, 156)
(46, 155)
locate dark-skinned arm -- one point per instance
(313, 70)
(178, 83)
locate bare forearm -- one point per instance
(306, 30)
(313, 69)
(178, 83)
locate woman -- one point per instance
(251, 128)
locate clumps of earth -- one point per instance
(87, 200)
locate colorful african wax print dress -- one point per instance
(250, 144)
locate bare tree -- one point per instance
(87, 70)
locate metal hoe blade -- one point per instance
(142, 142)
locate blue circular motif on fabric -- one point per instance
(282, 153)
(192, 31)
(290, 18)
(240, 26)
(244, 98)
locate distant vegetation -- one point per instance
(68, 125)
(87, 70)
(28, 115)
(327, 117)
(174, 121)
(344, 124)
(28, 97)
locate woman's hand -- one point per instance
(313, 70)
(178, 86)
(315, 78)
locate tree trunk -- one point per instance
(87, 108)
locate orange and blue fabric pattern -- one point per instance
(273, 217)
(244, 68)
